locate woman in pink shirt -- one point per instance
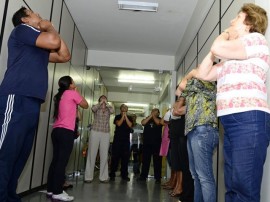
(65, 103)
(242, 100)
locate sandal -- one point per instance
(165, 184)
(175, 194)
(168, 187)
(170, 192)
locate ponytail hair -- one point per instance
(64, 84)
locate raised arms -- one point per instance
(51, 40)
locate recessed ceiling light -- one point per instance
(123, 78)
(136, 104)
(136, 81)
(137, 6)
(138, 110)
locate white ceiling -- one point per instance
(106, 28)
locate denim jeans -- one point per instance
(246, 140)
(202, 141)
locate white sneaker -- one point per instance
(63, 197)
(49, 194)
(65, 193)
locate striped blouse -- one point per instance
(241, 84)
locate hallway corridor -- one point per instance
(117, 191)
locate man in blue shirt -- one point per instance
(32, 44)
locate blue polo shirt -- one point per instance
(27, 72)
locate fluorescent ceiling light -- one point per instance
(136, 110)
(136, 81)
(136, 104)
(137, 6)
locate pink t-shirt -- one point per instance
(67, 110)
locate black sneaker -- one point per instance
(126, 179)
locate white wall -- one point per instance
(130, 60)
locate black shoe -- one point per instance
(141, 179)
(104, 181)
(112, 179)
(126, 179)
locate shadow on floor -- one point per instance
(117, 191)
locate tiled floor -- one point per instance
(117, 191)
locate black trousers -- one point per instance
(187, 181)
(120, 152)
(62, 140)
(176, 153)
(148, 151)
